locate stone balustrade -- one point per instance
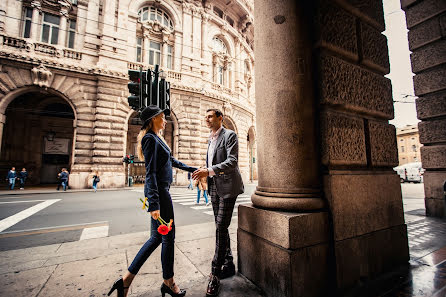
(33, 48)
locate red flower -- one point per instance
(163, 230)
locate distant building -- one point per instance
(408, 144)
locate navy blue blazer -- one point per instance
(159, 162)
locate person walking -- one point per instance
(225, 184)
(11, 177)
(64, 176)
(96, 180)
(201, 185)
(159, 161)
(23, 175)
(190, 186)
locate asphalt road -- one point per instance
(42, 219)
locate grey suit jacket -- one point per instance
(227, 178)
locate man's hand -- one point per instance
(155, 214)
(200, 173)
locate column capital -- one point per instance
(37, 4)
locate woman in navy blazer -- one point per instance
(159, 162)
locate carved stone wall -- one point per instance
(426, 21)
(358, 146)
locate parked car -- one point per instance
(410, 172)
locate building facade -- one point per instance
(409, 144)
(63, 82)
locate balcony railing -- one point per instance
(39, 48)
(171, 75)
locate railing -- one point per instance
(134, 66)
(72, 54)
(39, 48)
(15, 42)
(46, 49)
(174, 75)
(221, 88)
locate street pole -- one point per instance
(128, 174)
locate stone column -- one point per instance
(35, 20)
(237, 67)
(2, 124)
(286, 223)
(145, 50)
(63, 27)
(285, 112)
(164, 52)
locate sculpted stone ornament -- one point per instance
(41, 76)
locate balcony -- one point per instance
(36, 48)
(171, 75)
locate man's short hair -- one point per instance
(216, 111)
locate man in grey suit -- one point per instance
(225, 184)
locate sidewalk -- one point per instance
(89, 267)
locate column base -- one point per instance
(285, 254)
(291, 200)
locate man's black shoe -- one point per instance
(227, 270)
(213, 286)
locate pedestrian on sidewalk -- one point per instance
(159, 161)
(96, 180)
(189, 177)
(11, 177)
(23, 175)
(201, 185)
(225, 184)
(64, 176)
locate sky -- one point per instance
(400, 68)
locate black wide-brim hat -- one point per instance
(149, 112)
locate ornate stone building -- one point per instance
(63, 81)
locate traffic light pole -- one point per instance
(128, 174)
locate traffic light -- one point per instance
(164, 95)
(138, 89)
(126, 159)
(131, 158)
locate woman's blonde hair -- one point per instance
(139, 139)
(141, 135)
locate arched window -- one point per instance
(153, 13)
(219, 46)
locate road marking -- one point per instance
(14, 219)
(27, 201)
(51, 229)
(94, 232)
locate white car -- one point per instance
(410, 172)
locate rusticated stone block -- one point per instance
(383, 147)
(336, 29)
(371, 10)
(370, 255)
(433, 157)
(433, 184)
(353, 88)
(429, 56)
(426, 32)
(422, 11)
(375, 52)
(81, 130)
(101, 153)
(435, 207)
(432, 131)
(431, 105)
(343, 140)
(430, 81)
(263, 223)
(363, 203)
(282, 272)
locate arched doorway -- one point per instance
(228, 123)
(251, 141)
(170, 134)
(38, 135)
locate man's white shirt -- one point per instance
(211, 151)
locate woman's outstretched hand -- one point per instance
(155, 214)
(200, 173)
